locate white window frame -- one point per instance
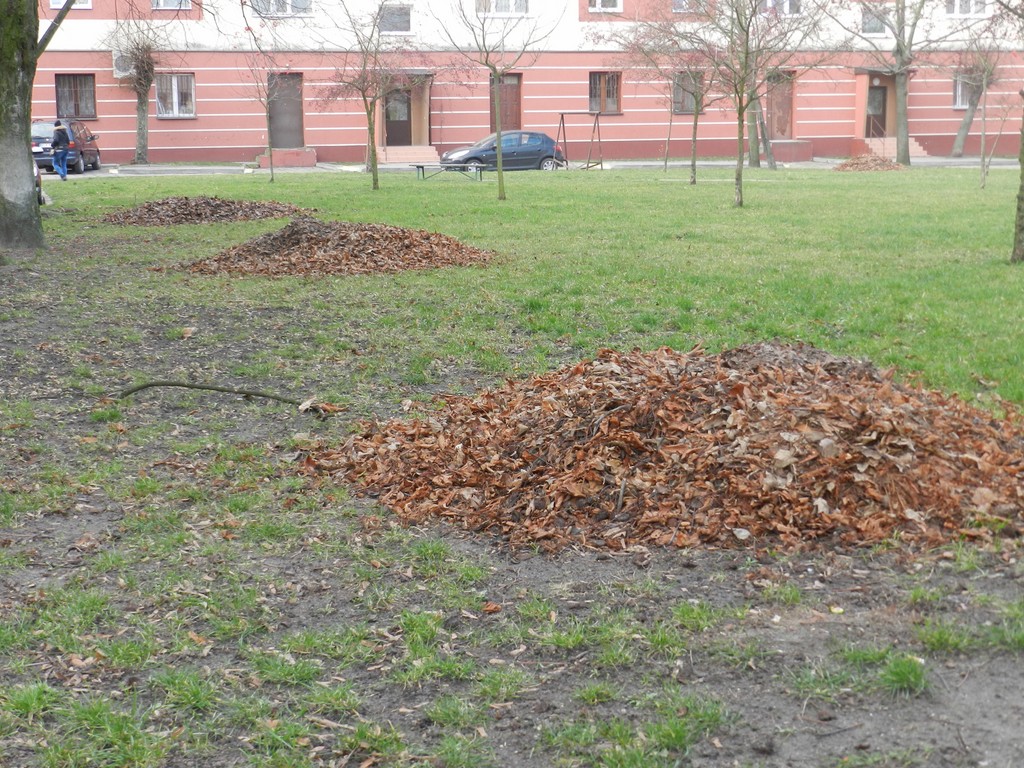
(81, 5)
(962, 84)
(172, 5)
(782, 7)
(604, 6)
(494, 7)
(273, 9)
(966, 7)
(408, 8)
(878, 12)
(175, 80)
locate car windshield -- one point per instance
(484, 142)
(42, 130)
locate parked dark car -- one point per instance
(84, 150)
(520, 150)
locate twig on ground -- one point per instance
(212, 387)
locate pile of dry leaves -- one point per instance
(783, 445)
(200, 210)
(308, 246)
(869, 163)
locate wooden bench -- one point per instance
(425, 170)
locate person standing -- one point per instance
(60, 143)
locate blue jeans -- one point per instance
(60, 162)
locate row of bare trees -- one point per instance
(739, 48)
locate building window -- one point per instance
(964, 85)
(684, 6)
(872, 20)
(965, 7)
(76, 95)
(176, 95)
(395, 18)
(503, 7)
(171, 5)
(687, 89)
(78, 4)
(784, 7)
(604, 92)
(605, 6)
(282, 7)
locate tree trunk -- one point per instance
(372, 165)
(668, 138)
(270, 138)
(496, 80)
(973, 99)
(754, 145)
(141, 127)
(765, 141)
(1018, 230)
(738, 199)
(902, 127)
(693, 142)
(20, 223)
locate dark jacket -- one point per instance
(60, 138)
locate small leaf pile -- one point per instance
(200, 210)
(771, 444)
(869, 163)
(307, 246)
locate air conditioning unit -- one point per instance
(123, 65)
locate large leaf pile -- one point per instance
(869, 163)
(762, 444)
(307, 246)
(200, 210)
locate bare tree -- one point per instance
(377, 65)
(502, 37)
(20, 223)
(900, 33)
(1013, 12)
(136, 44)
(660, 52)
(746, 43)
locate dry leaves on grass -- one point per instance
(201, 210)
(869, 163)
(788, 444)
(308, 246)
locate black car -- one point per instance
(84, 150)
(520, 150)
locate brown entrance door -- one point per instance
(284, 96)
(398, 119)
(877, 96)
(780, 107)
(511, 102)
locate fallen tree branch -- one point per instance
(212, 387)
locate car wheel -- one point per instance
(96, 162)
(549, 164)
(474, 165)
(79, 166)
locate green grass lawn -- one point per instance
(178, 588)
(907, 269)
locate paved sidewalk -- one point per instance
(175, 169)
